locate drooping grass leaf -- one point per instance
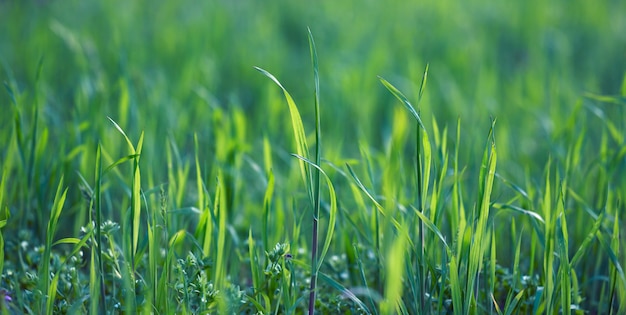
(332, 211)
(302, 149)
(403, 99)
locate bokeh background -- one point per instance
(550, 73)
(178, 68)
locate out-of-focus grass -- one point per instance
(212, 201)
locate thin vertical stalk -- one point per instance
(420, 198)
(316, 177)
(98, 219)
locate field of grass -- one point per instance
(336, 157)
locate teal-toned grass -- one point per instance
(423, 160)
(311, 178)
(131, 221)
(5, 215)
(220, 254)
(392, 302)
(96, 275)
(552, 102)
(316, 261)
(512, 301)
(49, 287)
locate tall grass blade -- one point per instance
(549, 233)
(52, 295)
(136, 195)
(267, 201)
(316, 179)
(615, 246)
(510, 305)
(513, 304)
(455, 285)
(479, 231)
(221, 254)
(394, 278)
(402, 99)
(378, 206)
(254, 263)
(302, 148)
(97, 272)
(332, 213)
(55, 213)
(432, 227)
(564, 266)
(5, 215)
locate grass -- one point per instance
(148, 168)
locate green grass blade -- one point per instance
(5, 215)
(510, 305)
(455, 285)
(52, 295)
(492, 266)
(302, 148)
(394, 276)
(1, 252)
(402, 99)
(336, 285)
(477, 249)
(316, 174)
(254, 263)
(532, 215)
(55, 213)
(136, 195)
(94, 288)
(332, 213)
(564, 266)
(587, 242)
(494, 303)
(220, 215)
(378, 206)
(423, 84)
(98, 272)
(136, 188)
(267, 201)
(130, 144)
(612, 257)
(431, 226)
(344, 291)
(510, 308)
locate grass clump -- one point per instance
(150, 169)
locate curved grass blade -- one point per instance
(590, 237)
(431, 226)
(316, 175)
(531, 214)
(336, 285)
(612, 257)
(333, 210)
(511, 307)
(57, 207)
(302, 148)
(402, 99)
(392, 303)
(477, 250)
(378, 206)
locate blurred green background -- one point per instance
(179, 70)
(175, 68)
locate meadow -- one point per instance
(331, 157)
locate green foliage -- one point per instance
(218, 198)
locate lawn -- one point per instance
(336, 157)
